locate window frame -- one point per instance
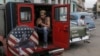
(57, 18)
(24, 21)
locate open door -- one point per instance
(61, 25)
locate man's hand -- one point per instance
(39, 21)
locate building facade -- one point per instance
(81, 5)
(98, 8)
(73, 3)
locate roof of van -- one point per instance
(33, 3)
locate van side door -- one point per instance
(61, 25)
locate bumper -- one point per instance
(73, 40)
(56, 51)
(90, 29)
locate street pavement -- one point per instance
(87, 49)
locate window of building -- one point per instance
(10, 1)
(73, 7)
(1, 1)
(69, 1)
(44, 1)
(53, 1)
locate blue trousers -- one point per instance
(43, 30)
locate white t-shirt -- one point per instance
(81, 22)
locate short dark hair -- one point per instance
(82, 16)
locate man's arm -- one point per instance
(38, 22)
(47, 22)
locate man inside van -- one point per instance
(43, 23)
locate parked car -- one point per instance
(88, 19)
(78, 33)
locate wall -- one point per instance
(98, 6)
(73, 5)
(37, 1)
(81, 5)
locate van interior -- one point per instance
(48, 9)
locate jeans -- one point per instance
(43, 30)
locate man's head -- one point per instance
(42, 13)
(82, 17)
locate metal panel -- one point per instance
(2, 20)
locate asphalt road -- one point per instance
(87, 49)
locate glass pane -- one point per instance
(25, 14)
(61, 14)
(10, 1)
(1, 1)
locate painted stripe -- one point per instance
(33, 42)
(14, 38)
(35, 34)
(13, 52)
(30, 50)
(34, 39)
(24, 52)
(21, 51)
(11, 43)
(13, 49)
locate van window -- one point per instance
(61, 13)
(25, 14)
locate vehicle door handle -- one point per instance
(66, 30)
